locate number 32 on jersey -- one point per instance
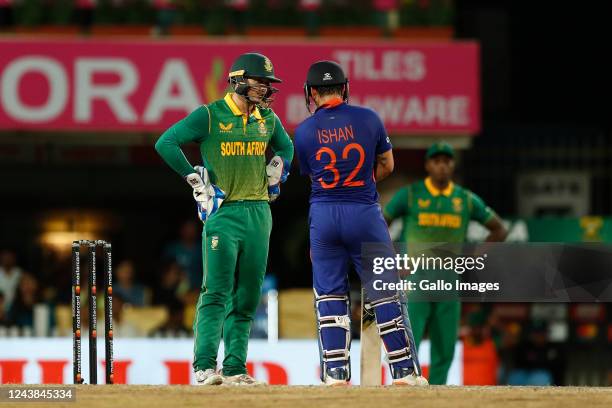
(349, 181)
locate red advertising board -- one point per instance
(169, 361)
(146, 85)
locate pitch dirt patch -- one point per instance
(137, 396)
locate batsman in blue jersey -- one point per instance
(345, 150)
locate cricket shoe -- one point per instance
(336, 377)
(242, 380)
(403, 376)
(208, 377)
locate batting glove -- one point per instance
(208, 197)
(277, 171)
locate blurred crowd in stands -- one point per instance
(535, 344)
(174, 285)
(160, 302)
(218, 17)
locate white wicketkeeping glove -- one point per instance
(208, 197)
(277, 171)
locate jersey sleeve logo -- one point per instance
(457, 204)
(424, 203)
(214, 242)
(591, 227)
(226, 128)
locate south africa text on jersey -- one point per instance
(243, 148)
(439, 220)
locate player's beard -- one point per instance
(250, 101)
(263, 96)
(254, 100)
(260, 99)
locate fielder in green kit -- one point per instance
(437, 210)
(232, 191)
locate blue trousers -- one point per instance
(337, 233)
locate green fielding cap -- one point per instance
(440, 148)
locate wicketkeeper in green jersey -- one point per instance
(437, 210)
(232, 191)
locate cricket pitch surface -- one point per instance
(137, 396)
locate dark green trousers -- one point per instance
(442, 319)
(235, 251)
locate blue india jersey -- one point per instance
(337, 148)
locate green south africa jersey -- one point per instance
(233, 146)
(431, 215)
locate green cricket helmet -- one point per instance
(255, 66)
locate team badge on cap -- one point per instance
(268, 64)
